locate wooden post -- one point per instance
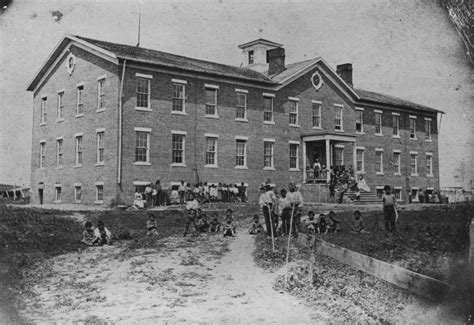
(471, 247)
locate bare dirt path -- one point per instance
(206, 279)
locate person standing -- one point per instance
(296, 203)
(267, 197)
(182, 192)
(389, 209)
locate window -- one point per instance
(359, 120)
(268, 109)
(178, 149)
(396, 125)
(360, 160)
(211, 102)
(316, 115)
(412, 127)
(268, 154)
(241, 106)
(396, 163)
(427, 129)
(100, 94)
(80, 104)
(143, 93)
(339, 156)
(293, 113)
(338, 119)
(379, 161)
(100, 147)
(78, 145)
(142, 145)
(397, 191)
(178, 97)
(378, 122)
(99, 193)
(294, 156)
(59, 152)
(57, 193)
(241, 153)
(211, 151)
(379, 192)
(60, 114)
(77, 193)
(42, 156)
(429, 164)
(43, 110)
(251, 57)
(414, 164)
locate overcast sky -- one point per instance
(407, 49)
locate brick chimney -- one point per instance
(345, 72)
(276, 60)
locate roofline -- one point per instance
(416, 107)
(260, 40)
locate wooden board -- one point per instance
(419, 284)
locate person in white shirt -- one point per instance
(296, 203)
(389, 209)
(266, 201)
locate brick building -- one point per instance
(109, 118)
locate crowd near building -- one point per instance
(109, 119)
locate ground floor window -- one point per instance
(379, 192)
(78, 193)
(397, 191)
(360, 160)
(99, 193)
(57, 193)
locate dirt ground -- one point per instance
(205, 279)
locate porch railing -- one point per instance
(316, 177)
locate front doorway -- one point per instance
(40, 195)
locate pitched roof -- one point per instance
(390, 100)
(176, 61)
(290, 69)
(261, 41)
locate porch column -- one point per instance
(328, 160)
(354, 159)
(304, 161)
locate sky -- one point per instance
(407, 49)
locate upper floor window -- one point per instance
(412, 127)
(142, 146)
(241, 105)
(429, 164)
(100, 94)
(241, 153)
(100, 150)
(359, 120)
(427, 129)
(294, 155)
(293, 114)
(143, 93)
(179, 90)
(211, 151)
(78, 147)
(251, 57)
(177, 148)
(267, 109)
(396, 162)
(43, 110)
(379, 161)
(59, 152)
(378, 122)
(60, 115)
(79, 98)
(42, 154)
(396, 124)
(211, 101)
(338, 118)
(268, 154)
(414, 163)
(316, 114)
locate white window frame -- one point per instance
(97, 185)
(80, 100)
(43, 117)
(362, 170)
(99, 132)
(215, 137)
(78, 149)
(60, 107)
(76, 186)
(429, 158)
(378, 113)
(244, 140)
(242, 92)
(337, 147)
(381, 170)
(215, 89)
(270, 97)
(398, 154)
(57, 193)
(59, 152)
(414, 153)
(296, 102)
(339, 108)
(42, 154)
(297, 143)
(148, 78)
(428, 123)
(179, 83)
(412, 118)
(100, 94)
(396, 117)
(399, 190)
(270, 142)
(318, 104)
(148, 133)
(360, 110)
(183, 134)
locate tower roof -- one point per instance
(260, 41)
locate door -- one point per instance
(40, 195)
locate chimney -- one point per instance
(276, 60)
(345, 72)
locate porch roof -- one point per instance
(327, 135)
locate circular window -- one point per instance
(316, 80)
(71, 63)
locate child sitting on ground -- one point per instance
(201, 223)
(151, 226)
(229, 227)
(102, 234)
(214, 225)
(357, 224)
(311, 229)
(256, 227)
(322, 224)
(334, 225)
(88, 234)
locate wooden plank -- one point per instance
(414, 282)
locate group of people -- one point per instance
(96, 237)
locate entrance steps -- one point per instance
(365, 197)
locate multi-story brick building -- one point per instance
(111, 117)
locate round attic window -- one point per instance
(316, 80)
(70, 63)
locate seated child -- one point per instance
(229, 227)
(334, 225)
(151, 226)
(214, 225)
(191, 219)
(174, 198)
(138, 202)
(201, 222)
(357, 224)
(322, 224)
(88, 234)
(311, 223)
(255, 227)
(102, 234)
(193, 203)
